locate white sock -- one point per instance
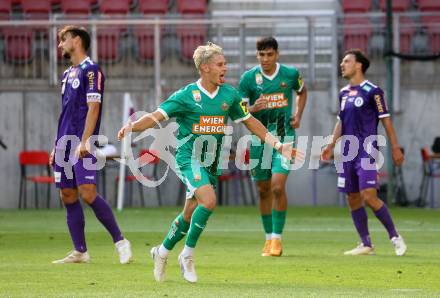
(268, 236)
(276, 236)
(187, 251)
(163, 251)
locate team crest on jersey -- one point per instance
(225, 106)
(75, 83)
(196, 95)
(358, 102)
(283, 85)
(258, 79)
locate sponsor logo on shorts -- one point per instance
(341, 182)
(210, 125)
(57, 176)
(89, 177)
(371, 182)
(75, 83)
(276, 100)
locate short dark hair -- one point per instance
(360, 57)
(76, 31)
(266, 43)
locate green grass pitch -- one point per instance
(228, 260)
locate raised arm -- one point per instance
(147, 121)
(263, 134)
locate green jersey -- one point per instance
(199, 112)
(278, 90)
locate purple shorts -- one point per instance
(355, 178)
(69, 174)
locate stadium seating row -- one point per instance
(19, 41)
(358, 30)
(42, 8)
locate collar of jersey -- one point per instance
(85, 59)
(271, 77)
(360, 85)
(210, 95)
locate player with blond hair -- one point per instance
(201, 109)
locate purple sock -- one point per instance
(360, 220)
(104, 214)
(385, 218)
(76, 223)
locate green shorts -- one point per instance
(270, 162)
(195, 177)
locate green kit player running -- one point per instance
(268, 88)
(201, 110)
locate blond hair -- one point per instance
(204, 53)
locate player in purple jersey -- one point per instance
(82, 92)
(362, 105)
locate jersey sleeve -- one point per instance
(94, 84)
(238, 111)
(298, 82)
(379, 103)
(173, 106)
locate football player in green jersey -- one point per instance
(268, 88)
(201, 110)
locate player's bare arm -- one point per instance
(91, 118)
(396, 150)
(300, 103)
(263, 134)
(328, 150)
(147, 121)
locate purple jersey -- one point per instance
(361, 107)
(80, 85)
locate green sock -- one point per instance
(198, 222)
(176, 233)
(267, 223)
(279, 219)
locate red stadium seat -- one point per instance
(5, 9)
(432, 24)
(77, 7)
(145, 42)
(357, 33)
(34, 158)
(397, 5)
(114, 6)
(356, 6)
(429, 5)
(191, 36)
(145, 35)
(192, 7)
(158, 7)
(108, 44)
(36, 9)
(18, 44)
(407, 30)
